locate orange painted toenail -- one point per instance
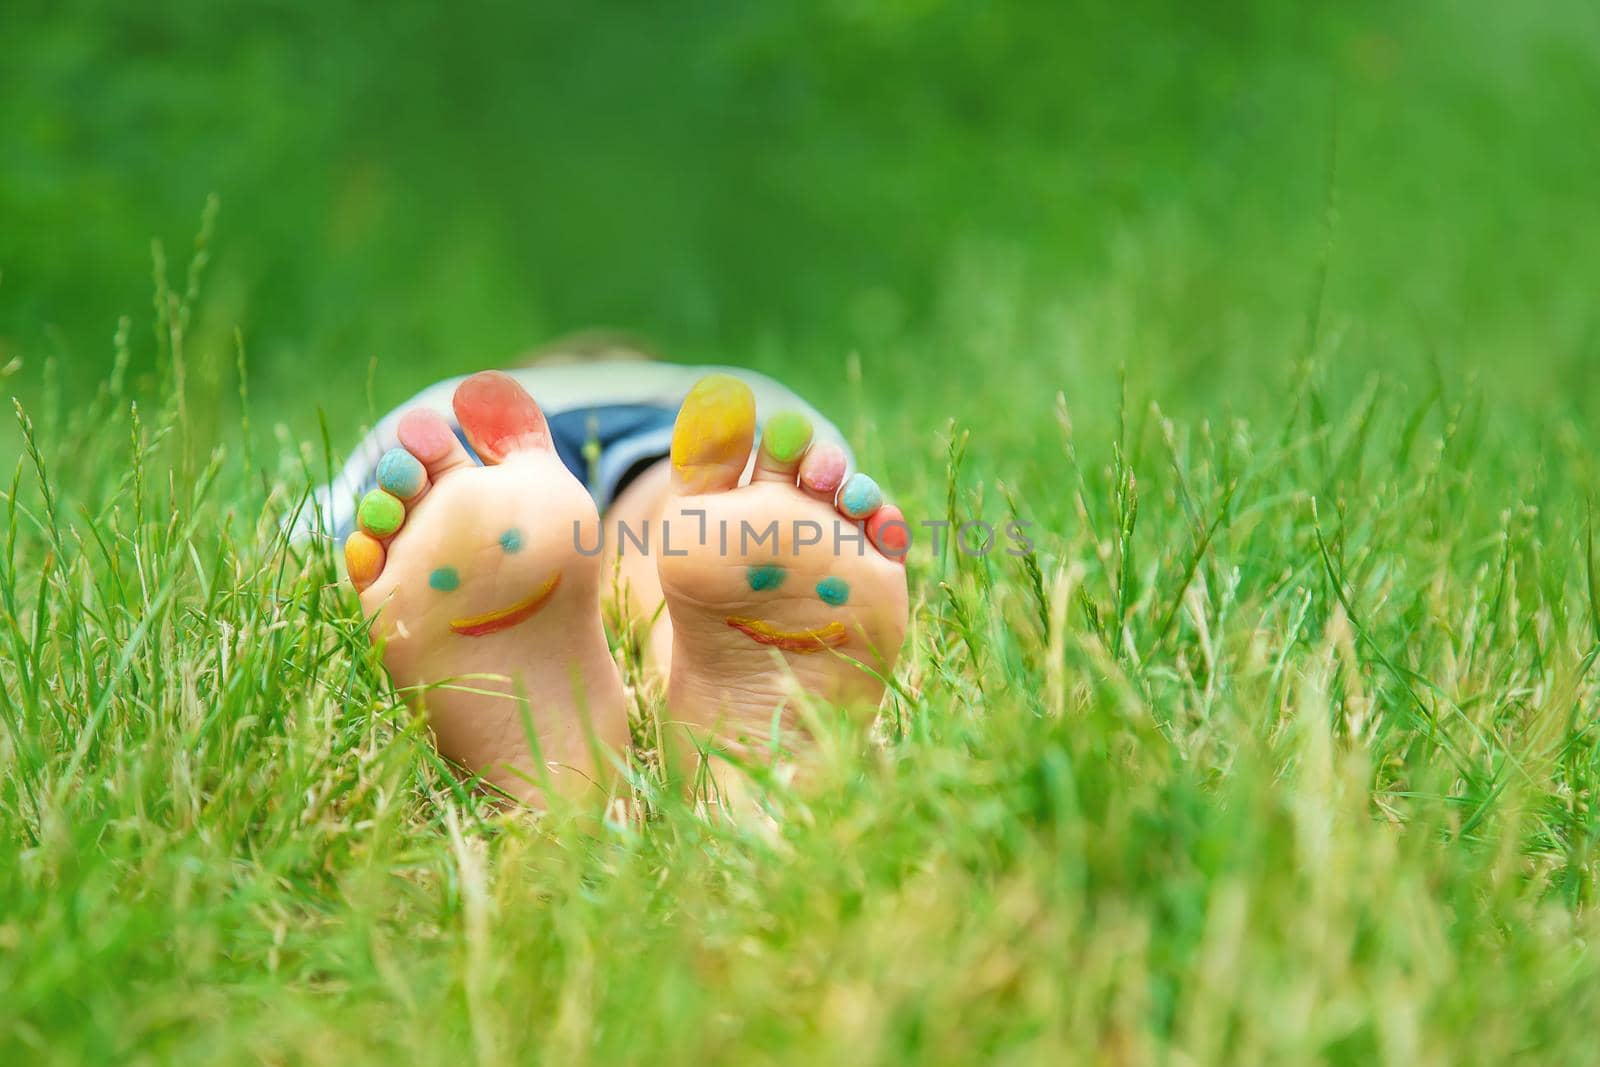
(363, 559)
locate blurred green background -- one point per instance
(985, 201)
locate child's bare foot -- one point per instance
(782, 586)
(480, 593)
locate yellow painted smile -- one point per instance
(823, 637)
(505, 618)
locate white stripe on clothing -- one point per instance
(558, 389)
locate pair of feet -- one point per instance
(484, 585)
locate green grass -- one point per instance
(1278, 328)
(1281, 747)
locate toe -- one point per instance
(889, 532)
(859, 497)
(822, 471)
(363, 559)
(499, 417)
(712, 436)
(380, 514)
(784, 440)
(428, 437)
(402, 475)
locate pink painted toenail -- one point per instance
(426, 435)
(822, 471)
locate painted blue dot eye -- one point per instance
(511, 540)
(445, 579)
(767, 576)
(834, 591)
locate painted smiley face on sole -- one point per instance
(763, 600)
(493, 622)
(487, 615)
(477, 557)
(817, 639)
(799, 598)
(832, 627)
(765, 576)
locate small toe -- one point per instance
(889, 532)
(712, 436)
(428, 436)
(499, 417)
(380, 514)
(784, 440)
(363, 559)
(402, 475)
(822, 471)
(859, 497)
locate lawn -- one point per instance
(1277, 324)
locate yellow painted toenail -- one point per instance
(713, 431)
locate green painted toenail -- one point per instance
(381, 514)
(445, 579)
(400, 473)
(511, 540)
(767, 576)
(834, 591)
(785, 436)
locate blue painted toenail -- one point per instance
(400, 473)
(834, 591)
(766, 576)
(860, 497)
(511, 540)
(445, 579)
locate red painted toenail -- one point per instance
(889, 531)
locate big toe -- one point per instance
(712, 436)
(499, 417)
